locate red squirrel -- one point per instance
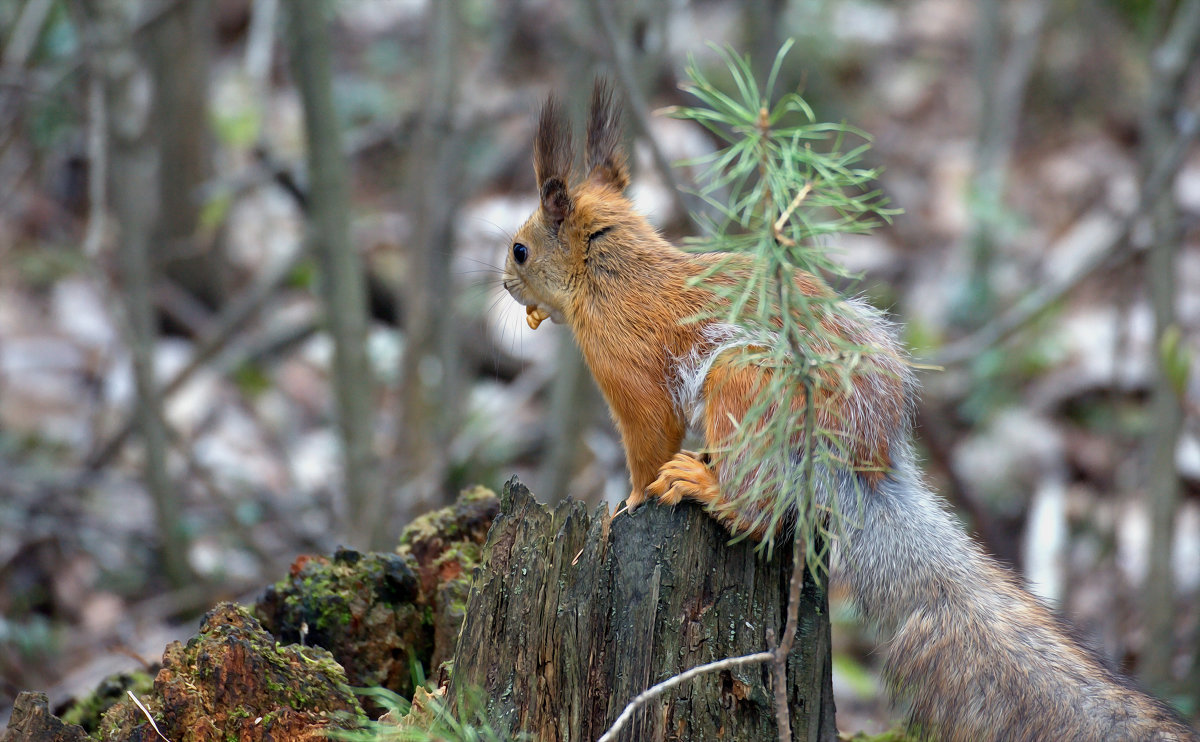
(978, 657)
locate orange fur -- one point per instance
(626, 296)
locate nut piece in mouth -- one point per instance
(535, 315)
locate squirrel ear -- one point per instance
(605, 157)
(552, 161)
(556, 201)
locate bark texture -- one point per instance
(559, 643)
(32, 721)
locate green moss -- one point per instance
(466, 553)
(241, 712)
(87, 710)
(445, 524)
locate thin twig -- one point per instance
(26, 32)
(1118, 250)
(97, 151)
(784, 648)
(657, 690)
(781, 222)
(225, 327)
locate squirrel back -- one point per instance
(979, 657)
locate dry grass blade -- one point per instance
(149, 718)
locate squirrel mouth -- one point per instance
(535, 315)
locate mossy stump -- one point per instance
(573, 614)
(233, 682)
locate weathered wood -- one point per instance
(32, 721)
(559, 644)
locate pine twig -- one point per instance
(781, 222)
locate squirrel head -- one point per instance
(547, 260)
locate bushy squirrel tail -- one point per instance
(979, 657)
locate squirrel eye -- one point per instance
(520, 253)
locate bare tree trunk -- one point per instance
(765, 32)
(178, 45)
(431, 374)
(572, 403)
(342, 282)
(1002, 77)
(135, 192)
(572, 615)
(1170, 63)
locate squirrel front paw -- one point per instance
(688, 475)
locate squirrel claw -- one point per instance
(685, 475)
(535, 315)
(633, 502)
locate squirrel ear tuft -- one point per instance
(552, 148)
(552, 161)
(605, 156)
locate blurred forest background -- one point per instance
(249, 300)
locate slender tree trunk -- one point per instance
(135, 193)
(765, 33)
(431, 372)
(179, 48)
(1170, 63)
(572, 402)
(572, 615)
(1002, 73)
(342, 281)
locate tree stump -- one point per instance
(572, 615)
